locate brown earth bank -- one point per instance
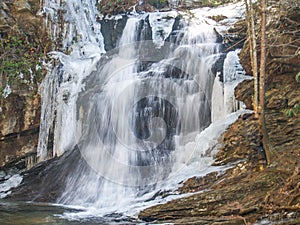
(252, 191)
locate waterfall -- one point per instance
(128, 118)
(139, 114)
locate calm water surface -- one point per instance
(26, 213)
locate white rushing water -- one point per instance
(145, 115)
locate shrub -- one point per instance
(20, 62)
(297, 77)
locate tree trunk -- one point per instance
(253, 52)
(262, 89)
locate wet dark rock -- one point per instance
(111, 30)
(48, 177)
(161, 194)
(145, 31)
(217, 68)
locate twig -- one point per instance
(232, 46)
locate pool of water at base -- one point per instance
(28, 213)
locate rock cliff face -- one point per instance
(19, 129)
(23, 42)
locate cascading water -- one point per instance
(140, 114)
(129, 119)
